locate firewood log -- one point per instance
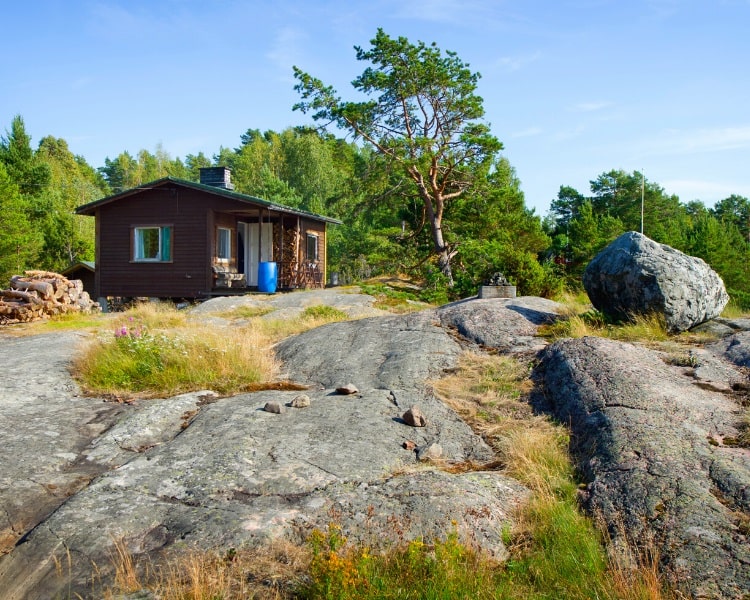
(42, 274)
(45, 289)
(29, 297)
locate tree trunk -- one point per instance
(439, 247)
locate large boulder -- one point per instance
(657, 453)
(635, 275)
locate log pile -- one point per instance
(289, 267)
(41, 294)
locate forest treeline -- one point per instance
(489, 229)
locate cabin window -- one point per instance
(223, 243)
(312, 247)
(152, 244)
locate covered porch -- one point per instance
(246, 238)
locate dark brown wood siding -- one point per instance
(188, 272)
(318, 229)
(193, 216)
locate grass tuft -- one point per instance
(744, 438)
(395, 295)
(152, 352)
(648, 328)
(733, 310)
(323, 313)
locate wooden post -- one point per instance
(260, 235)
(281, 243)
(297, 235)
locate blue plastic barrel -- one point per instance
(267, 276)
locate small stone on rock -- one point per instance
(273, 407)
(430, 452)
(301, 401)
(414, 417)
(409, 445)
(348, 389)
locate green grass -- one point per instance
(154, 350)
(733, 310)
(157, 351)
(324, 313)
(395, 299)
(640, 328)
(246, 312)
(72, 321)
(444, 569)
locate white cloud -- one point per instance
(528, 132)
(569, 133)
(591, 106)
(514, 63)
(717, 139)
(442, 11)
(287, 50)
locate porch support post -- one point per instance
(260, 235)
(297, 261)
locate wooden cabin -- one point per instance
(84, 270)
(173, 238)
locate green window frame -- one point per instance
(152, 243)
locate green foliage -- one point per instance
(721, 245)
(566, 558)
(590, 233)
(68, 237)
(391, 224)
(436, 285)
(20, 243)
(499, 234)
(481, 258)
(424, 120)
(125, 171)
(395, 300)
(735, 210)
(443, 569)
(23, 167)
(640, 328)
(132, 359)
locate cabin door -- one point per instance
(258, 242)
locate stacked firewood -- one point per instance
(289, 276)
(40, 294)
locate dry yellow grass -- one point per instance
(270, 572)
(156, 352)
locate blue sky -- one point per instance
(573, 88)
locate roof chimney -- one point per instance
(217, 177)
